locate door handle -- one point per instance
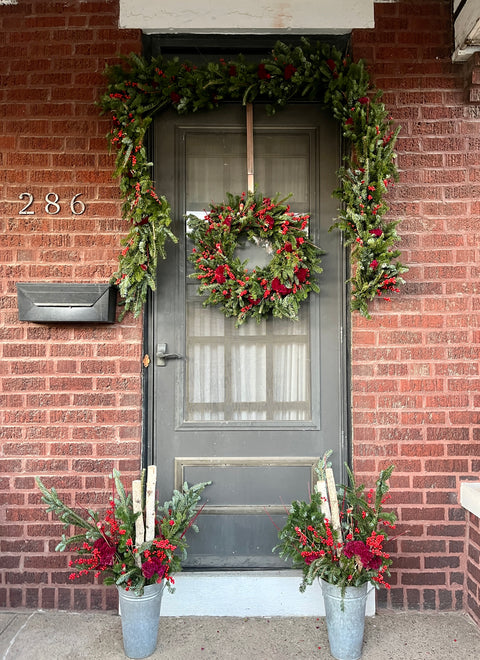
(162, 355)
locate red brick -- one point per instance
(399, 408)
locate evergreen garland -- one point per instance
(280, 286)
(139, 89)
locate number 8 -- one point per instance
(52, 203)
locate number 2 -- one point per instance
(29, 203)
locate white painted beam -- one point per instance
(247, 17)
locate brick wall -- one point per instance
(415, 365)
(472, 604)
(70, 396)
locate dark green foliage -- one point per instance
(276, 289)
(140, 89)
(311, 544)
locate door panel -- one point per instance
(249, 408)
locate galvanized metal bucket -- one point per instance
(345, 619)
(140, 618)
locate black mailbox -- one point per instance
(52, 302)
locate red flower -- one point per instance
(289, 71)
(279, 287)
(302, 274)
(374, 263)
(175, 97)
(364, 100)
(232, 71)
(333, 67)
(219, 274)
(106, 552)
(263, 73)
(288, 247)
(151, 566)
(376, 232)
(269, 221)
(360, 550)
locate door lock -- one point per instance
(162, 355)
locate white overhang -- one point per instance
(247, 16)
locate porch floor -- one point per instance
(52, 635)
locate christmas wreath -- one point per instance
(139, 89)
(277, 288)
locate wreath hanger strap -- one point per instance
(250, 161)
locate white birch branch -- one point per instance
(139, 524)
(332, 493)
(321, 488)
(150, 503)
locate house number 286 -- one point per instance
(52, 207)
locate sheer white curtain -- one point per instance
(252, 373)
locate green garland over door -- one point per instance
(138, 89)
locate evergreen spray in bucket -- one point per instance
(338, 536)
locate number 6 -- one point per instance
(77, 203)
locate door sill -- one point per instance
(246, 593)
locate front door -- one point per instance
(251, 408)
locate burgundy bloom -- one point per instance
(364, 100)
(269, 221)
(263, 73)
(175, 97)
(288, 247)
(105, 552)
(358, 548)
(374, 263)
(374, 563)
(289, 71)
(310, 557)
(302, 274)
(333, 67)
(232, 71)
(151, 566)
(376, 232)
(279, 287)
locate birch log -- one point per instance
(332, 493)
(150, 503)
(321, 488)
(139, 524)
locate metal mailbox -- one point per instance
(54, 302)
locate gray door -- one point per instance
(249, 408)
